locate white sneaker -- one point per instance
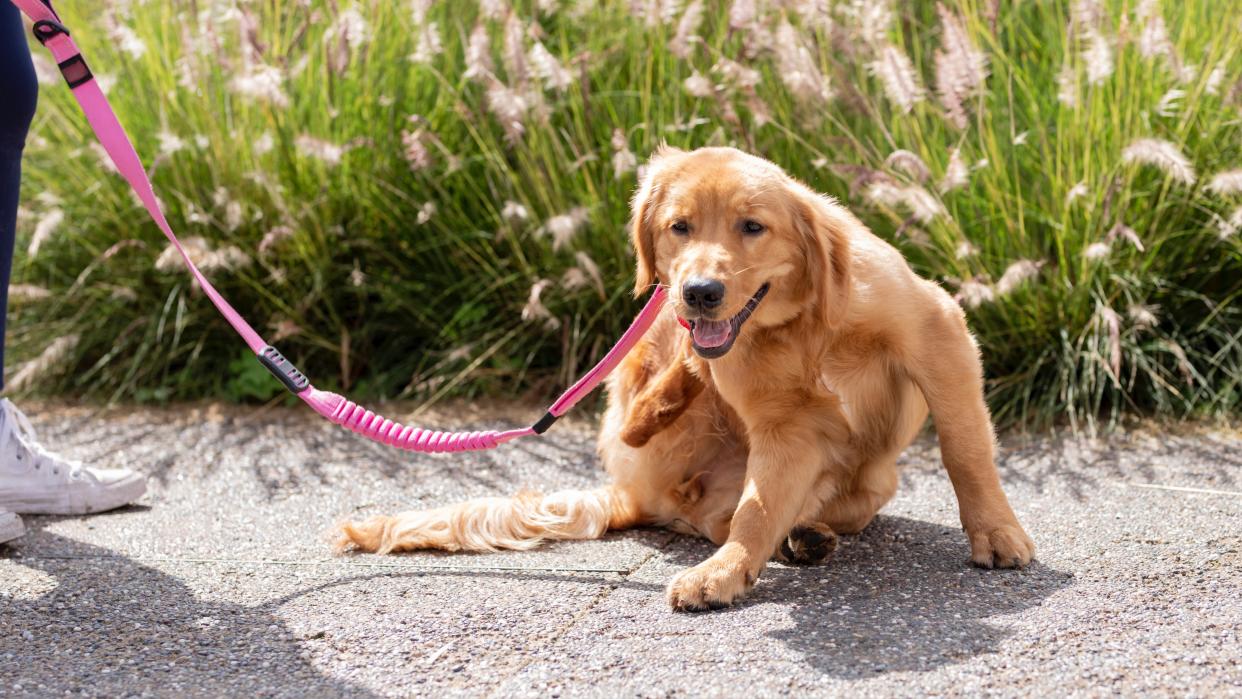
(35, 481)
(10, 526)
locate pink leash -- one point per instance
(55, 37)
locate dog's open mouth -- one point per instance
(714, 338)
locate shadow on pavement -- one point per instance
(900, 596)
(118, 628)
(1136, 457)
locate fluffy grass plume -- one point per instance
(424, 198)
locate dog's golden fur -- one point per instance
(797, 427)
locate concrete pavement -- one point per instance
(220, 581)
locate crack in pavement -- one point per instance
(609, 588)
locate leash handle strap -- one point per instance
(50, 32)
(55, 37)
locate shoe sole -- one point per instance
(11, 527)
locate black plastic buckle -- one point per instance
(75, 70)
(46, 29)
(283, 369)
(544, 422)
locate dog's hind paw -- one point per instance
(808, 544)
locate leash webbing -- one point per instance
(50, 32)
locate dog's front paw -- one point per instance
(715, 583)
(1003, 546)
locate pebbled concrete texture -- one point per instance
(220, 582)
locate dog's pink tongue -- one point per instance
(712, 333)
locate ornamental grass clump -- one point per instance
(425, 199)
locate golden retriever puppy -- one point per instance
(766, 408)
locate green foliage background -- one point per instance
(394, 277)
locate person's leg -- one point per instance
(18, 94)
(19, 90)
(34, 480)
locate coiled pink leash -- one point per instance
(358, 419)
(103, 121)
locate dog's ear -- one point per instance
(824, 232)
(646, 199)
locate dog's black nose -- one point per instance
(704, 294)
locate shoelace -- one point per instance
(16, 426)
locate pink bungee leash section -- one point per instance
(50, 32)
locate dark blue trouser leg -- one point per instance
(18, 94)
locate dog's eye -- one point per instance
(752, 227)
(681, 227)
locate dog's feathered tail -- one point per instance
(488, 524)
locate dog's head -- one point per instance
(737, 241)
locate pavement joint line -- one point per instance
(325, 564)
(1182, 489)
